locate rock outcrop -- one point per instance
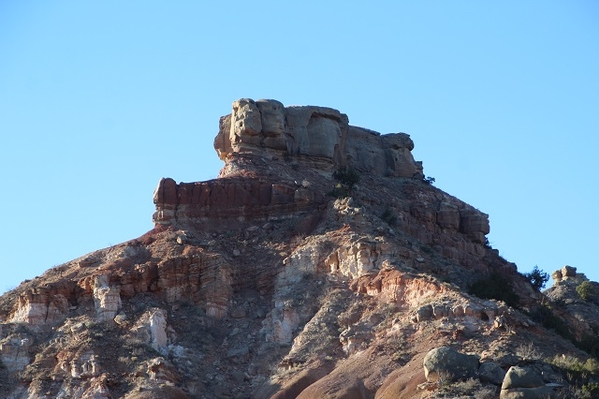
(520, 382)
(269, 129)
(447, 364)
(319, 249)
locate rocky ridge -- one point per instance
(320, 263)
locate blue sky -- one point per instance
(99, 100)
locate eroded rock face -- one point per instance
(14, 351)
(268, 128)
(107, 298)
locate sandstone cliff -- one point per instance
(320, 264)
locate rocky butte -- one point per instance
(321, 263)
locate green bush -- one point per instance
(586, 291)
(428, 180)
(495, 286)
(346, 176)
(537, 278)
(590, 391)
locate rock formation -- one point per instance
(319, 249)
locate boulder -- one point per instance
(448, 216)
(446, 363)
(524, 383)
(491, 372)
(568, 271)
(557, 276)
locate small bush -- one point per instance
(537, 278)
(389, 217)
(339, 191)
(428, 180)
(586, 291)
(346, 176)
(544, 315)
(495, 286)
(579, 375)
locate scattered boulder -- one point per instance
(491, 372)
(446, 363)
(524, 383)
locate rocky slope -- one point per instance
(320, 264)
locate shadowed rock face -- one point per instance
(267, 128)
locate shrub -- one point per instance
(590, 391)
(389, 217)
(586, 291)
(537, 278)
(579, 374)
(428, 180)
(495, 286)
(544, 315)
(346, 176)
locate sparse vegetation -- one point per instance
(544, 315)
(470, 388)
(347, 178)
(537, 278)
(586, 291)
(528, 352)
(590, 391)
(579, 374)
(495, 286)
(389, 217)
(428, 180)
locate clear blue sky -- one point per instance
(99, 100)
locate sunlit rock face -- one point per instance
(268, 128)
(265, 283)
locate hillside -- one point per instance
(321, 263)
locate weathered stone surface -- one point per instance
(520, 377)
(246, 125)
(266, 126)
(107, 298)
(228, 199)
(543, 392)
(475, 224)
(491, 372)
(448, 216)
(400, 162)
(568, 271)
(14, 352)
(39, 307)
(445, 362)
(524, 383)
(557, 276)
(259, 284)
